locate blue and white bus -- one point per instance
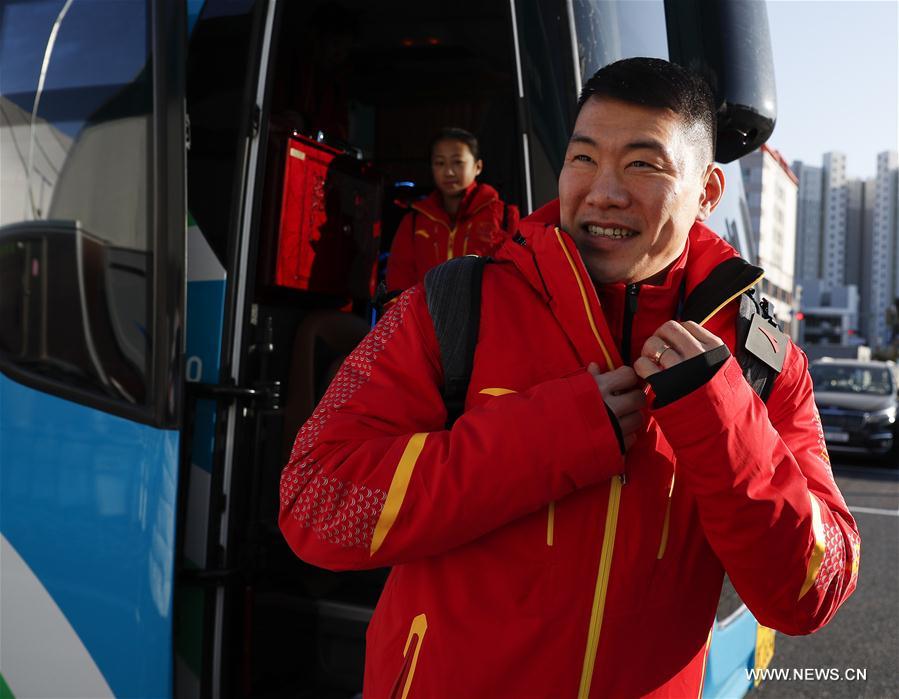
(153, 369)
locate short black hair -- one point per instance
(659, 84)
(454, 133)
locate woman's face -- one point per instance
(454, 167)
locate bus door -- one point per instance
(92, 228)
(228, 48)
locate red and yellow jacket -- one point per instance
(426, 236)
(530, 558)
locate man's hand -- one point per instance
(673, 343)
(622, 391)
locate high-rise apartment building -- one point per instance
(809, 210)
(833, 248)
(771, 188)
(855, 224)
(884, 282)
(822, 210)
(860, 249)
(848, 235)
(821, 220)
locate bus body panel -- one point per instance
(26, 608)
(91, 344)
(206, 280)
(87, 500)
(731, 655)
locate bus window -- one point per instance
(76, 121)
(219, 62)
(544, 50)
(608, 31)
(77, 131)
(92, 223)
(557, 57)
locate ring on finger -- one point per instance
(657, 357)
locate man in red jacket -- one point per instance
(568, 536)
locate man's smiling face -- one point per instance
(635, 179)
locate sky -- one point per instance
(836, 65)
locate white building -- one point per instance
(771, 191)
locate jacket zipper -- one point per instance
(452, 229)
(663, 541)
(450, 240)
(630, 309)
(611, 523)
(602, 585)
(550, 523)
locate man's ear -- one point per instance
(712, 191)
(478, 167)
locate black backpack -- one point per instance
(453, 294)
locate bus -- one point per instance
(196, 198)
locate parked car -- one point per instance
(858, 403)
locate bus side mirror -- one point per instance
(88, 328)
(728, 42)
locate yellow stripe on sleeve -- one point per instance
(814, 564)
(398, 486)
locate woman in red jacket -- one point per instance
(460, 217)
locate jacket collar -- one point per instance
(476, 197)
(709, 270)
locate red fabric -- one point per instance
(304, 226)
(507, 613)
(315, 252)
(478, 231)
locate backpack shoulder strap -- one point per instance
(453, 294)
(761, 345)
